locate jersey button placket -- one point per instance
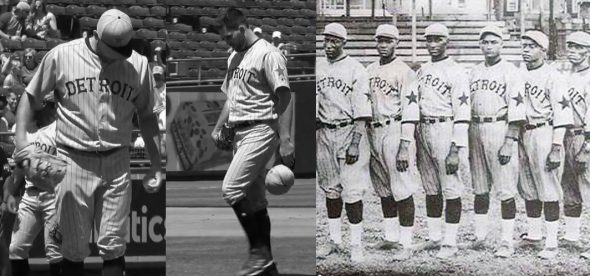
(102, 116)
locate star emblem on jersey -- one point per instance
(463, 99)
(519, 99)
(564, 102)
(412, 98)
(281, 73)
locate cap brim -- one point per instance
(124, 51)
(333, 35)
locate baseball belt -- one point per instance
(376, 124)
(332, 126)
(490, 119)
(433, 120)
(576, 131)
(533, 126)
(245, 124)
(98, 152)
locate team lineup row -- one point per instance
(524, 129)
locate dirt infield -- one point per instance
(208, 240)
(469, 262)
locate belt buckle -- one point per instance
(488, 119)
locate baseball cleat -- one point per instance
(403, 254)
(327, 249)
(429, 245)
(271, 271)
(478, 245)
(257, 264)
(447, 251)
(386, 245)
(356, 254)
(527, 242)
(504, 251)
(585, 255)
(569, 244)
(548, 253)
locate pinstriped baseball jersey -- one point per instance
(546, 96)
(342, 89)
(496, 91)
(578, 87)
(252, 78)
(387, 83)
(43, 139)
(96, 101)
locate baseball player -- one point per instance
(99, 82)
(344, 107)
(440, 100)
(389, 79)
(548, 113)
(36, 210)
(257, 109)
(576, 176)
(497, 116)
(4, 259)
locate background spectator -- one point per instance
(30, 65)
(13, 24)
(13, 70)
(41, 23)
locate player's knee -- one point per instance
(406, 211)
(481, 204)
(453, 210)
(17, 252)
(334, 207)
(533, 208)
(434, 205)
(508, 208)
(572, 210)
(354, 212)
(551, 210)
(389, 207)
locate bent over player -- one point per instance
(389, 79)
(36, 209)
(258, 95)
(576, 173)
(548, 113)
(497, 115)
(100, 82)
(440, 100)
(344, 106)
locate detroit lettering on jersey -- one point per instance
(436, 83)
(377, 83)
(332, 82)
(92, 85)
(536, 92)
(488, 85)
(241, 74)
(575, 95)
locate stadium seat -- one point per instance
(190, 45)
(207, 45)
(94, 10)
(206, 21)
(308, 13)
(150, 22)
(273, 12)
(176, 35)
(126, 2)
(285, 30)
(195, 11)
(263, 4)
(221, 45)
(211, 11)
(55, 9)
(253, 21)
(147, 2)
(257, 12)
(163, 33)
(175, 54)
(299, 30)
(180, 27)
(158, 11)
(178, 11)
(296, 4)
(137, 11)
(75, 10)
(176, 45)
(88, 23)
(194, 36)
(34, 43)
(310, 5)
(211, 37)
(145, 33)
(52, 42)
(169, 2)
(267, 29)
(124, 9)
(286, 21)
(11, 44)
(291, 13)
(64, 2)
(186, 53)
(137, 23)
(269, 21)
(301, 21)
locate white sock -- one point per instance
(481, 226)
(405, 236)
(335, 231)
(551, 228)
(534, 228)
(391, 226)
(572, 228)
(434, 228)
(451, 234)
(508, 230)
(356, 233)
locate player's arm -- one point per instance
(563, 118)
(461, 104)
(410, 117)
(583, 157)
(360, 102)
(516, 116)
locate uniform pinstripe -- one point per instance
(253, 77)
(37, 208)
(343, 94)
(96, 102)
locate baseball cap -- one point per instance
(276, 34)
(335, 29)
(490, 29)
(436, 29)
(538, 37)
(114, 28)
(257, 30)
(387, 30)
(23, 6)
(580, 38)
(158, 70)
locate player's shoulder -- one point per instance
(353, 63)
(49, 129)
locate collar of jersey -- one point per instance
(443, 59)
(87, 41)
(394, 59)
(343, 57)
(249, 46)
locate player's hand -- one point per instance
(505, 153)
(11, 204)
(352, 154)
(554, 157)
(583, 157)
(287, 152)
(152, 181)
(401, 161)
(452, 160)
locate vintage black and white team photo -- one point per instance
(452, 137)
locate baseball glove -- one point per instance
(44, 170)
(225, 138)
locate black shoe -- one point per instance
(257, 264)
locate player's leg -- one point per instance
(27, 226)
(528, 191)
(254, 148)
(584, 181)
(4, 261)
(572, 198)
(480, 178)
(51, 247)
(111, 213)
(429, 174)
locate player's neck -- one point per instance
(386, 60)
(493, 60)
(535, 64)
(341, 56)
(439, 58)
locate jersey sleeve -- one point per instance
(587, 115)
(145, 101)
(44, 80)
(563, 114)
(275, 69)
(461, 103)
(410, 108)
(515, 96)
(360, 98)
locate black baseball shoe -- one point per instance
(258, 263)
